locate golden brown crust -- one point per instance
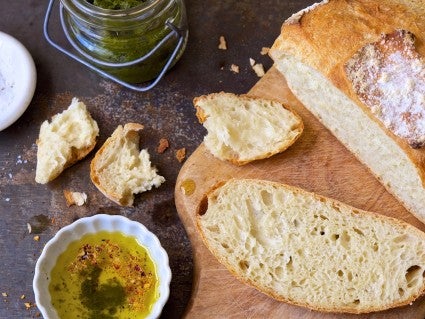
(68, 197)
(353, 25)
(200, 114)
(355, 211)
(78, 154)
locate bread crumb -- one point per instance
(28, 305)
(257, 67)
(74, 198)
(181, 154)
(36, 238)
(22, 297)
(264, 50)
(162, 146)
(234, 68)
(4, 294)
(222, 45)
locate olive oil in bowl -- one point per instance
(104, 275)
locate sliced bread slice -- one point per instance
(312, 251)
(68, 138)
(119, 170)
(242, 129)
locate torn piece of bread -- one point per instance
(365, 81)
(74, 198)
(119, 170)
(312, 251)
(69, 137)
(242, 129)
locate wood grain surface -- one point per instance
(316, 162)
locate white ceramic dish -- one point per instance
(96, 223)
(17, 79)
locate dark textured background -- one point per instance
(166, 111)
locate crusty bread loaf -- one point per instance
(357, 67)
(69, 137)
(119, 170)
(242, 129)
(312, 251)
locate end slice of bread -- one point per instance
(365, 82)
(69, 137)
(242, 129)
(310, 250)
(119, 170)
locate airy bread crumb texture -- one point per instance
(69, 137)
(242, 129)
(358, 133)
(313, 251)
(119, 170)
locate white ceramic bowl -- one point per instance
(96, 223)
(17, 79)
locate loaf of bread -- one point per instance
(119, 170)
(242, 129)
(69, 137)
(312, 251)
(359, 67)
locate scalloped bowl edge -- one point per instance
(93, 224)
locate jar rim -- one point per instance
(93, 10)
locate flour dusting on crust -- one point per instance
(389, 77)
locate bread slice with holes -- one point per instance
(242, 129)
(312, 251)
(365, 81)
(68, 138)
(119, 170)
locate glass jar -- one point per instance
(133, 45)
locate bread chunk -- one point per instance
(119, 170)
(69, 137)
(242, 129)
(312, 251)
(329, 73)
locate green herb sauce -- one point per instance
(116, 4)
(118, 38)
(104, 276)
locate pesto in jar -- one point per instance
(104, 276)
(115, 4)
(123, 35)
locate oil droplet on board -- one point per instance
(188, 187)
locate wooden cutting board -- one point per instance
(316, 162)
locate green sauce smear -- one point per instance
(100, 297)
(115, 4)
(123, 40)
